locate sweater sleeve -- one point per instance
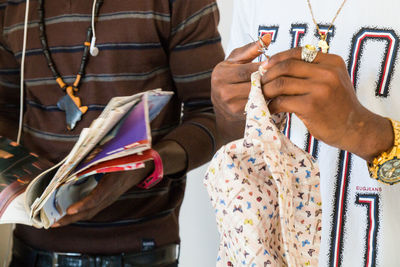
(194, 50)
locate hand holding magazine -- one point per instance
(119, 139)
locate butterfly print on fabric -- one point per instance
(311, 251)
(245, 181)
(237, 208)
(239, 230)
(302, 163)
(263, 168)
(246, 144)
(305, 242)
(252, 160)
(252, 106)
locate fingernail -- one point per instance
(266, 37)
(55, 225)
(264, 64)
(72, 211)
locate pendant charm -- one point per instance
(72, 106)
(323, 45)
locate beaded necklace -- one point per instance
(69, 103)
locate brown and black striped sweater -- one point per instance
(146, 44)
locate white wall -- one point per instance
(198, 228)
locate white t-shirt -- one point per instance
(361, 217)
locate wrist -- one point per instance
(373, 136)
(173, 156)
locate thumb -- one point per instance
(249, 52)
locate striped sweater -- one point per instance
(143, 45)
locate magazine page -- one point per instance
(132, 131)
(61, 198)
(156, 102)
(130, 162)
(97, 130)
(132, 134)
(16, 212)
(34, 192)
(18, 167)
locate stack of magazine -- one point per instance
(35, 193)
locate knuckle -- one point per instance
(244, 74)
(95, 201)
(339, 61)
(287, 65)
(278, 104)
(89, 215)
(280, 83)
(236, 109)
(224, 96)
(216, 75)
(329, 74)
(236, 53)
(91, 202)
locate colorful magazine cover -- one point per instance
(133, 130)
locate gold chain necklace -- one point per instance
(322, 44)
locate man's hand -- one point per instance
(111, 187)
(230, 87)
(230, 80)
(107, 191)
(322, 95)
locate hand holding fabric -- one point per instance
(322, 95)
(231, 78)
(230, 87)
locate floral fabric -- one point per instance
(266, 194)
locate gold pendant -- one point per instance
(322, 44)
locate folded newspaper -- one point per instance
(34, 192)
